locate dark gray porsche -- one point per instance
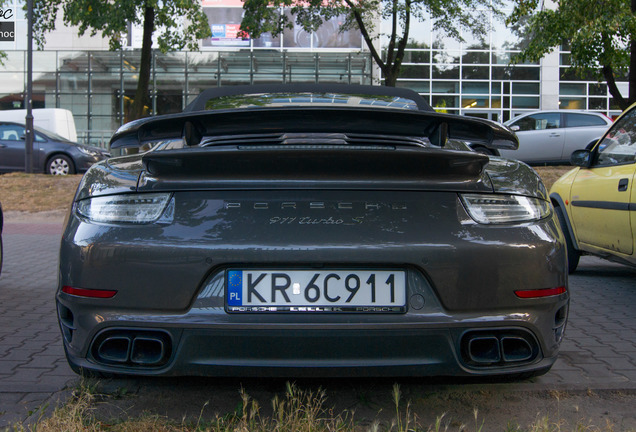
(310, 230)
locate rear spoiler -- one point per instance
(192, 127)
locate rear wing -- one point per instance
(193, 127)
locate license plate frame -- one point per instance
(335, 290)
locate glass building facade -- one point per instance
(473, 77)
(97, 86)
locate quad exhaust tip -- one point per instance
(487, 348)
(132, 348)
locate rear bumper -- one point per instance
(324, 353)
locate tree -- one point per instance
(180, 23)
(449, 16)
(600, 34)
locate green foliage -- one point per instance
(181, 23)
(447, 16)
(598, 33)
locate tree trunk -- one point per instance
(141, 101)
(608, 73)
(390, 79)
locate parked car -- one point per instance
(52, 154)
(552, 136)
(311, 230)
(595, 201)
(56, 120)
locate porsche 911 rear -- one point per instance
(310, 248)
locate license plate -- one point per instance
(370, 291)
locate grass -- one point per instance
(550, 174)
(40, 192)
(296, 410)
(37, 192)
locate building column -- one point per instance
(550, 73)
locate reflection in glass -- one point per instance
(475, 72)
(445, 87)
(524, 88)
(413, 71)
(475, 87)
(445, 72)
(572, 89)
(74, 82)
(597, 89)
(203, 62)
(516, 73)
(441, 103)
(417, 55)
(469, 102)
(476, 57)
(571, 103)
(599, 104)
(419, 33)
(446, 57)
(441, 41)
(44, 61)
(526, 102)
(418, 86)
(619, 146)
(504, 38)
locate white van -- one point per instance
(56, 120)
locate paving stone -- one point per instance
(619, 363)
(40, 361)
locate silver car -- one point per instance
(552, 136)
(311, 230)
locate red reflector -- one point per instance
(82, 292)
(540, 292)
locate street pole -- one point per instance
(28, 162)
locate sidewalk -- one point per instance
(32, 365)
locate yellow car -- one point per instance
(596, 202)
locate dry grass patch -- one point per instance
(37, 192)
(294, 411)
(550, 174)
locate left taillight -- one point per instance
(124, 208)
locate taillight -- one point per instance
(93, 293)
(536, 293)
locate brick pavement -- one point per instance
(32, 365)
(599, 350)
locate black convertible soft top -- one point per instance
(199, 104)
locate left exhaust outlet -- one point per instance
(132, 348)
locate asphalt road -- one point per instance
(598, 353)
